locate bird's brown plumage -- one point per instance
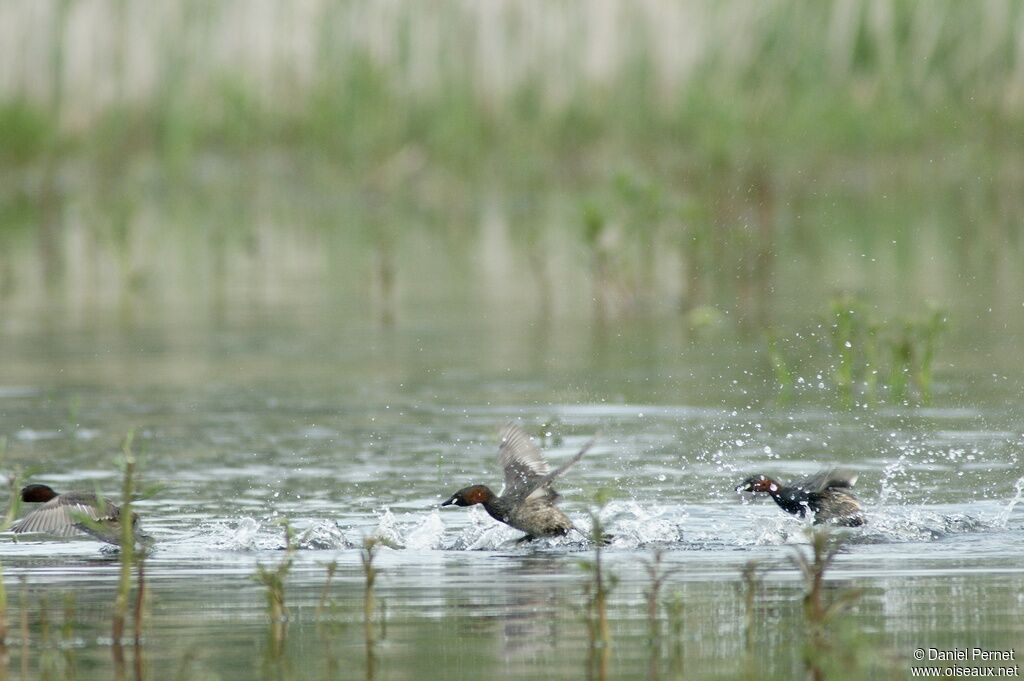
(66, 515)
(528, 501)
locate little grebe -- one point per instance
(528, 501)
(826, 494)
(64, 515)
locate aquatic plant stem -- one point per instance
(597, 591)
(751, 583)
(4, 658)
(332, 567)
(140, 594)
(273, 580)
(674, 611)
(127, 541)
(370, 576)
(818, 613)
(24, 628)
(658, 576)
(3, 611)
(68, 635)
(14, 487)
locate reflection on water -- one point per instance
(354, 431)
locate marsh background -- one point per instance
(311, 248)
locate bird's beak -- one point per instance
(741, 488)
(450, 502)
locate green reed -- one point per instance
(872, 361)
(657, 573)
(3, 611)
(4, 655)
(596, 592)
(68, 636)
(901, 351)
(274, 578)
(676, 626)
(780, 366)
(14, 479)
(25, 648)
(857, 357)
(844, 327)
(127, 556)
(327, 628)
(325, 593)
(929, 330)
(818, 611)
(642, 208)
(47, 656)
(367, 556)
(595, 228)
(750, 581)
(912, 347)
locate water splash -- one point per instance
(242, 535)
(322, 536)
(427, 535)
(1003, 518)
(388, 532)
(631, 525)
(888, 490)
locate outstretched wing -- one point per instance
(830, 478)
(61, 516)
(522, 461)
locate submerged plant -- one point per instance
(68, 635)
(327, 628)
(332, 567)
(818, 614)
(4, 658)
(127, 554)
(23, 602)
(657, 574)
(676, 625)
(597, 591)
(751, 583)
(367, 555)
(273, 578)
(47, 656)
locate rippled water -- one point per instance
(349, 430)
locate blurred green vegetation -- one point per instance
(824, 131)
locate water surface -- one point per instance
(350, 430)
